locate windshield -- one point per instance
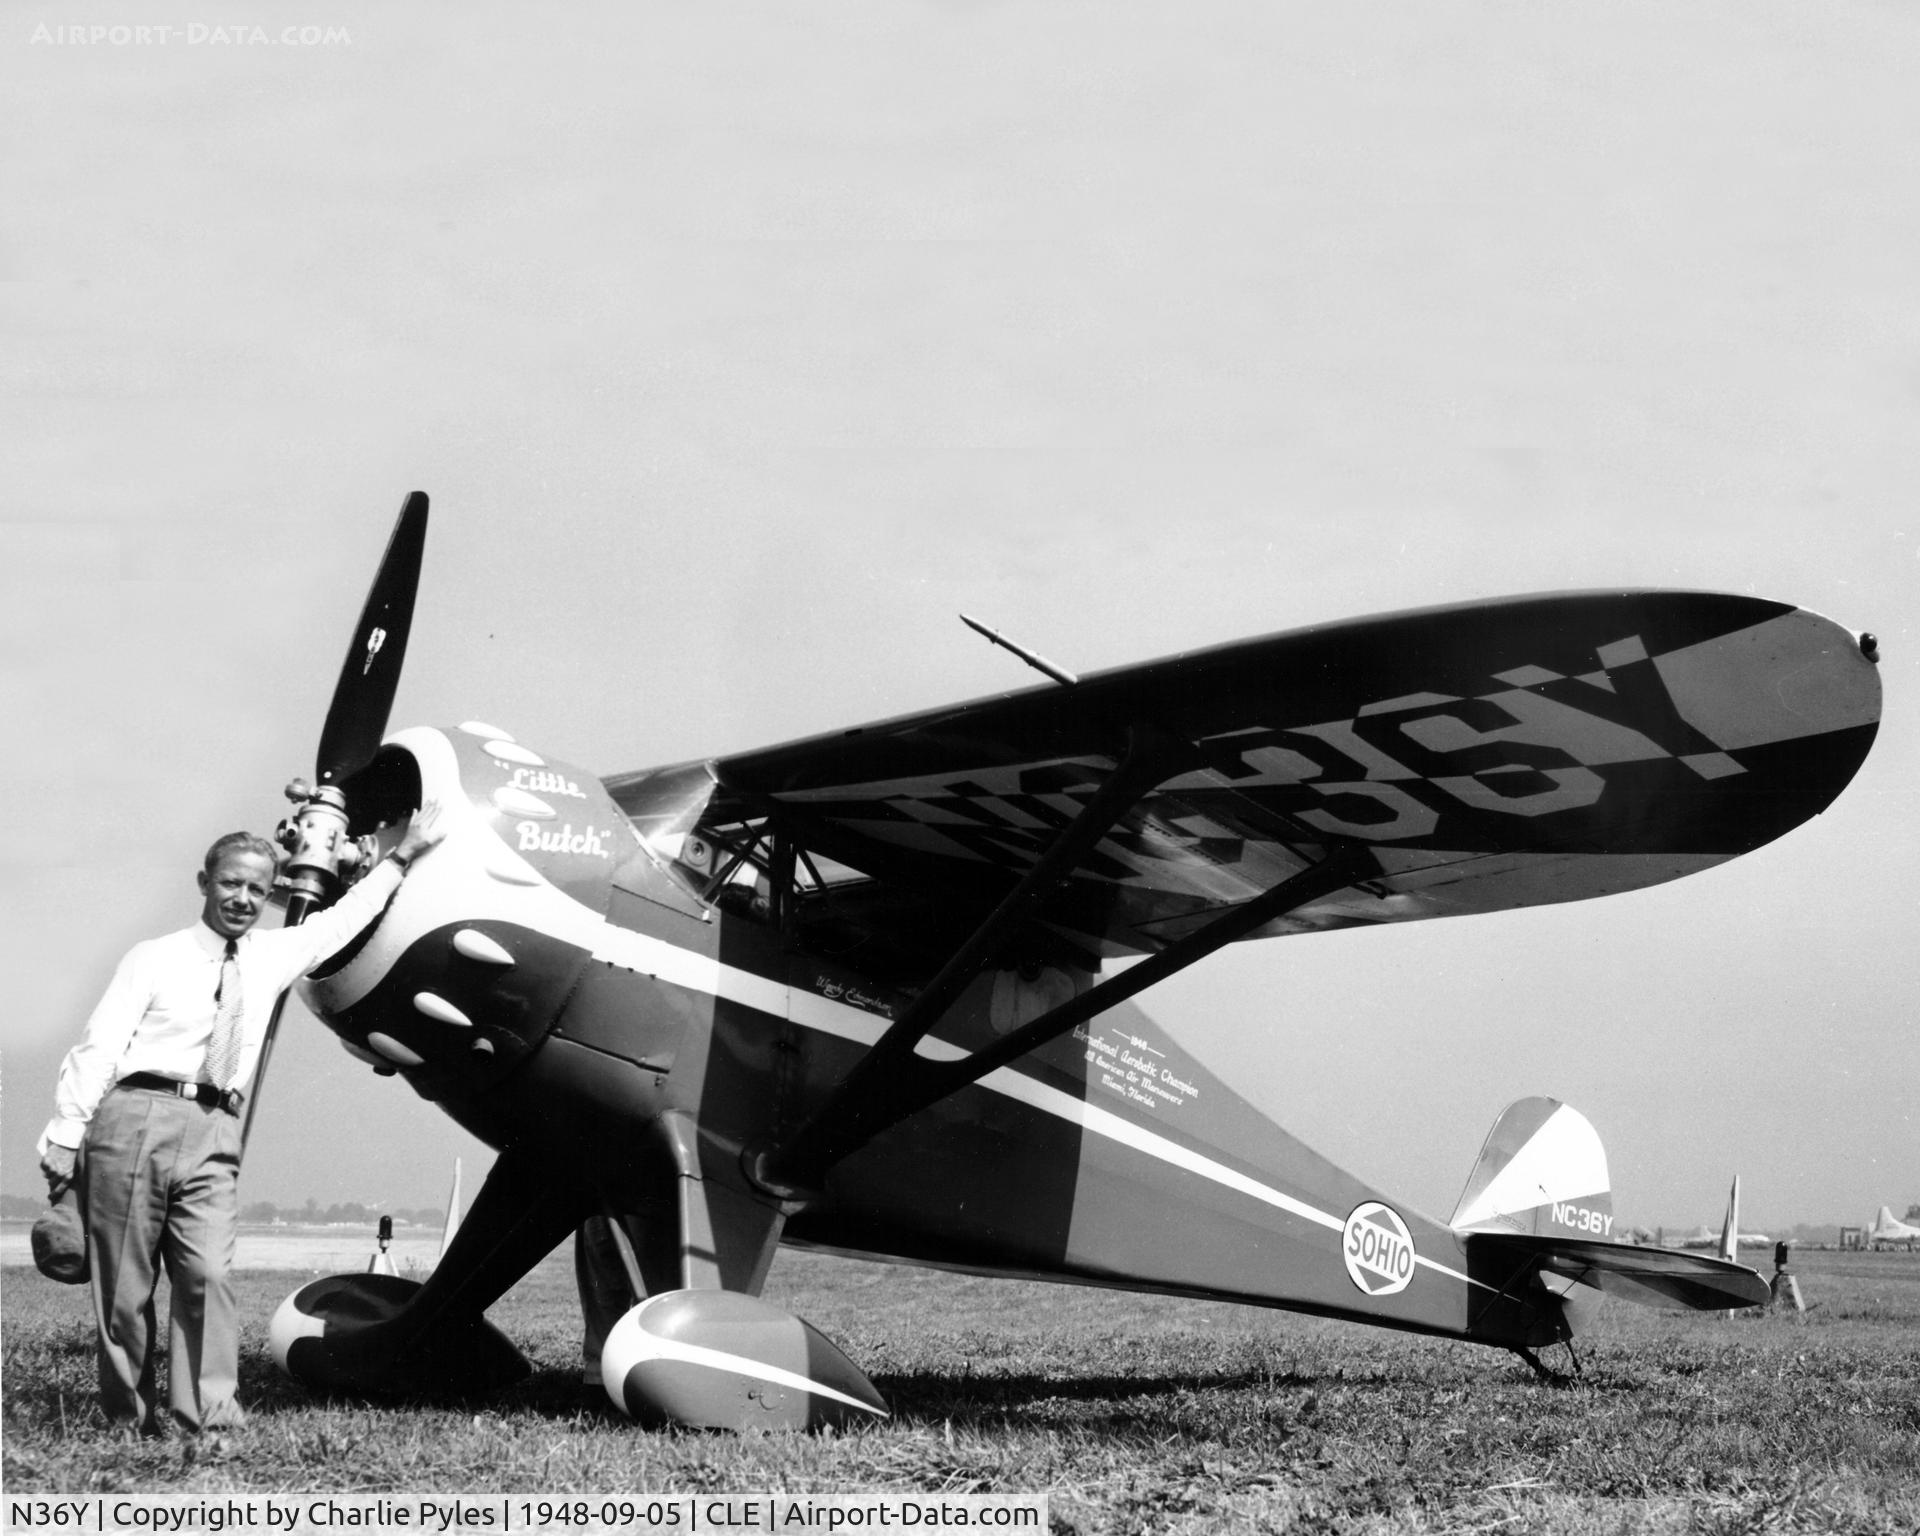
(723, 860)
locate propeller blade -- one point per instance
(298, 903)
(370, 675)
(252, 1101)
(356, 720)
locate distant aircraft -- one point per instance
(1726, 1242)
(1888, 1228)
(852, 993)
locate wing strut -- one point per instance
(893, 1081)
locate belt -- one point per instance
(229, 1099)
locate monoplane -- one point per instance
(871, 992)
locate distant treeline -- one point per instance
(347, 1213)
(265, 1213)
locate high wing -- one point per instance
(1425, 764)
(1490, 755)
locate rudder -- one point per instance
(1541, 1173)
(1539, 1203)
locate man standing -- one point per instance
(147, 1121)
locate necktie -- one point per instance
(223, 1046)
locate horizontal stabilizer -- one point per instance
(1654, 1277)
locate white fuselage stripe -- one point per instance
(654, 957)
(473, 874)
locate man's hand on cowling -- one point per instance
(427, 827)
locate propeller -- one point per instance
(315, 835)
(357, 717)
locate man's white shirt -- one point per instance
(157, 1013)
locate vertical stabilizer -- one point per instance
(1889, 1228)
(1730, 1233)
(453, 1214)
(1542, 1172)
(1538, 1211)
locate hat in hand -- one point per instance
(60, 1241)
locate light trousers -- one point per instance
(159, 1182)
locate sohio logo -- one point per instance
(1378, 1249)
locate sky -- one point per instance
(741, 347)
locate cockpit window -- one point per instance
(817, 872)
(665, 807)
(739, 864)
(714, 859)
(751, 856)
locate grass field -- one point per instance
(1133, 1413)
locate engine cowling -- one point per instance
(470, 965)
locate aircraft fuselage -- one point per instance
(545, 980)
